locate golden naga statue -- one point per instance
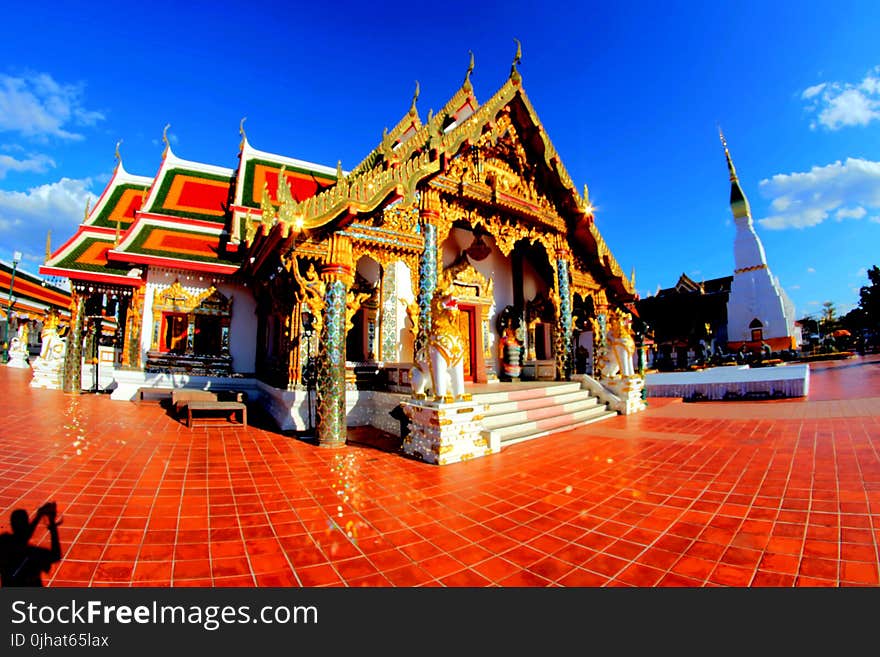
(441, 368)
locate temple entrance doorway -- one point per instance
(467, 326)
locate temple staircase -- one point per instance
(519, 412)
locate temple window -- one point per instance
(207, 338)
(174, 332)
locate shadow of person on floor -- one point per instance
(21, 563)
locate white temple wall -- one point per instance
(242, 327)
(533, 284)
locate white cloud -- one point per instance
(809, 92)
(800, 200)
(842, 104)
(850, 213)
(26, 216)
(811, 270)
(37, 106)
(38, 163)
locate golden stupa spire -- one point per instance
(730, 166)
(739, 204)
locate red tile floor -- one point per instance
(780, 493)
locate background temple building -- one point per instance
(748, 310)
(25, 301)
(308, 278)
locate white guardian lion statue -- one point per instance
(440, 368)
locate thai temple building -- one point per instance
(318, 286)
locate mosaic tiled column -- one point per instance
(564, 355)
(427, 278)
(388, 324)
(72, 377)
(338, 275)
(600, 348)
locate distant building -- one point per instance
(680, 317)
(749, 309)
(25, 301)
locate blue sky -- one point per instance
(631, 95)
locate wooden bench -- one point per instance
(154, 394)
(181, 397)
(228, 408)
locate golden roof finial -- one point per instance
(242, 133)
(339, 175)
(516, 60)
(412, 107)
(165, 139)
(117, 155)
(88, 202)
(470, 69)
(48, 245)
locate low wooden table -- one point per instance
(229, 408)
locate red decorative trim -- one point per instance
(178, 221)
(193, 265)
(92, 276)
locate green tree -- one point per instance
(869, 304)
(829, 317)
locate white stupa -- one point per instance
(758, 309)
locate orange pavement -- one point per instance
(780, 493)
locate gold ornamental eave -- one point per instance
(424, 155)
(484, 196)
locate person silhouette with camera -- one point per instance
(21, 563)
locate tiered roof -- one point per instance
(196, 216)
(31, 296)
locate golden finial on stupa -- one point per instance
(241, 132)
(339, 175)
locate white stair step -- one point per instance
(511, 431)
(541, 434)
(537, 402)
(528, 393)
(516, 417)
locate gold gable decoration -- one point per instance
(469, 284)
(175, 298)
